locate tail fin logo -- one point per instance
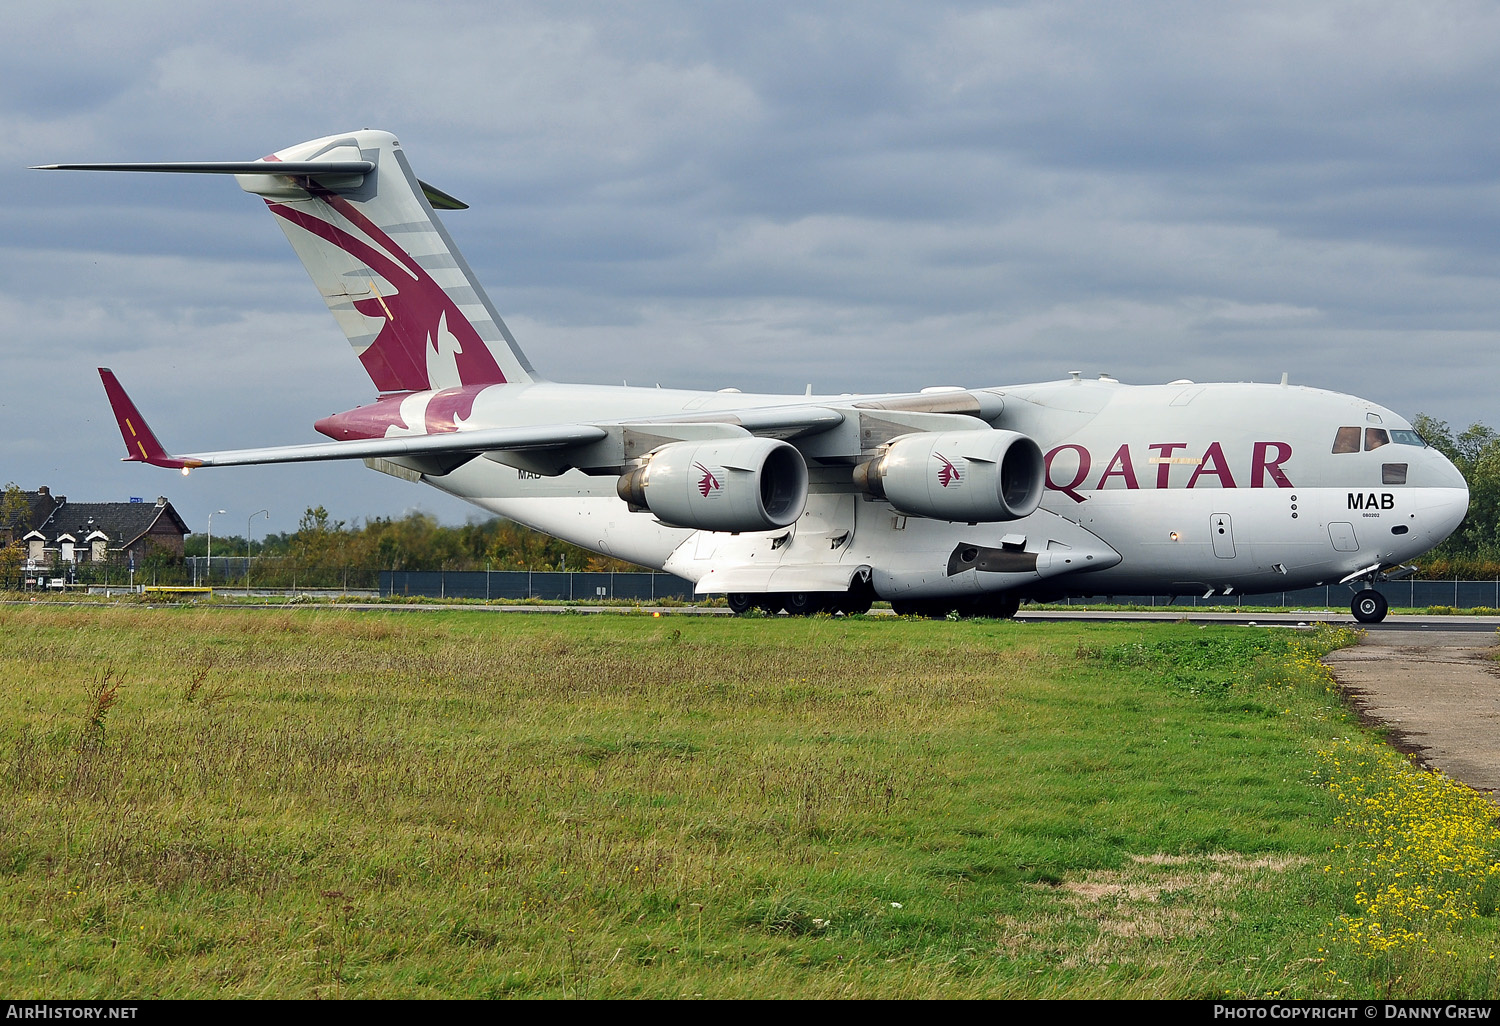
(947, 473)
(708, 483)
(423, 327)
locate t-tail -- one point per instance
(365, 229)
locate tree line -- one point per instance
(413, 542)
(1473, 551)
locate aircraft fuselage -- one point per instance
(1170, 489)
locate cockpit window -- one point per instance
(1375, 438)
(1347, 440)
(1407, 438)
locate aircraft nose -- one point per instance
(1444, 474)
(1445, 511)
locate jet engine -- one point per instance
(970, 476)
(743, 484)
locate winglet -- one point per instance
(140, 443)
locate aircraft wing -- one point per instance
(766, 421)
(143, 446)
(451, 448)
(545, 436)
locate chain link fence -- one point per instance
(277, 574)
(527, 584)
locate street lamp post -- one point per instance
(211, 545)
(249, 547)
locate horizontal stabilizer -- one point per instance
(439, 199)
(230, 167)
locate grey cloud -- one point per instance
(863, 196)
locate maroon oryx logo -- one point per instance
(413, 319)
(709, 483)
(947, 473)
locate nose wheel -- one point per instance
(1369, 606)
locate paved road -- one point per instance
(1439, 692)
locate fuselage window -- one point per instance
(1393, 473)
(1347, 440)
(1375, 438)
(1407, 438)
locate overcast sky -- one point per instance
(859, 196)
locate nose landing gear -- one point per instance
(1369, 605)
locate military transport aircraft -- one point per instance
(943, 499)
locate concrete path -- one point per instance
(1437, 691)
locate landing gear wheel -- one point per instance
(1369, 606)
(740, 603)
(853, 603)
(998, 607)
(803, 603)
(857, 599)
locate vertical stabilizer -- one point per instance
(387, 268)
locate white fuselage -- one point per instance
(1166, 489)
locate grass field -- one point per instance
(319, 802)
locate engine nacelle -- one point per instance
(971, 476)
(742, 484)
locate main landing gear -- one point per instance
(1369, 606)
(808, 603)
(801, 603)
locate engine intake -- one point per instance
(972, 476)
(746, 484)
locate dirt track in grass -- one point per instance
(1437, 694)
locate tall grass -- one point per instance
(325, 803)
